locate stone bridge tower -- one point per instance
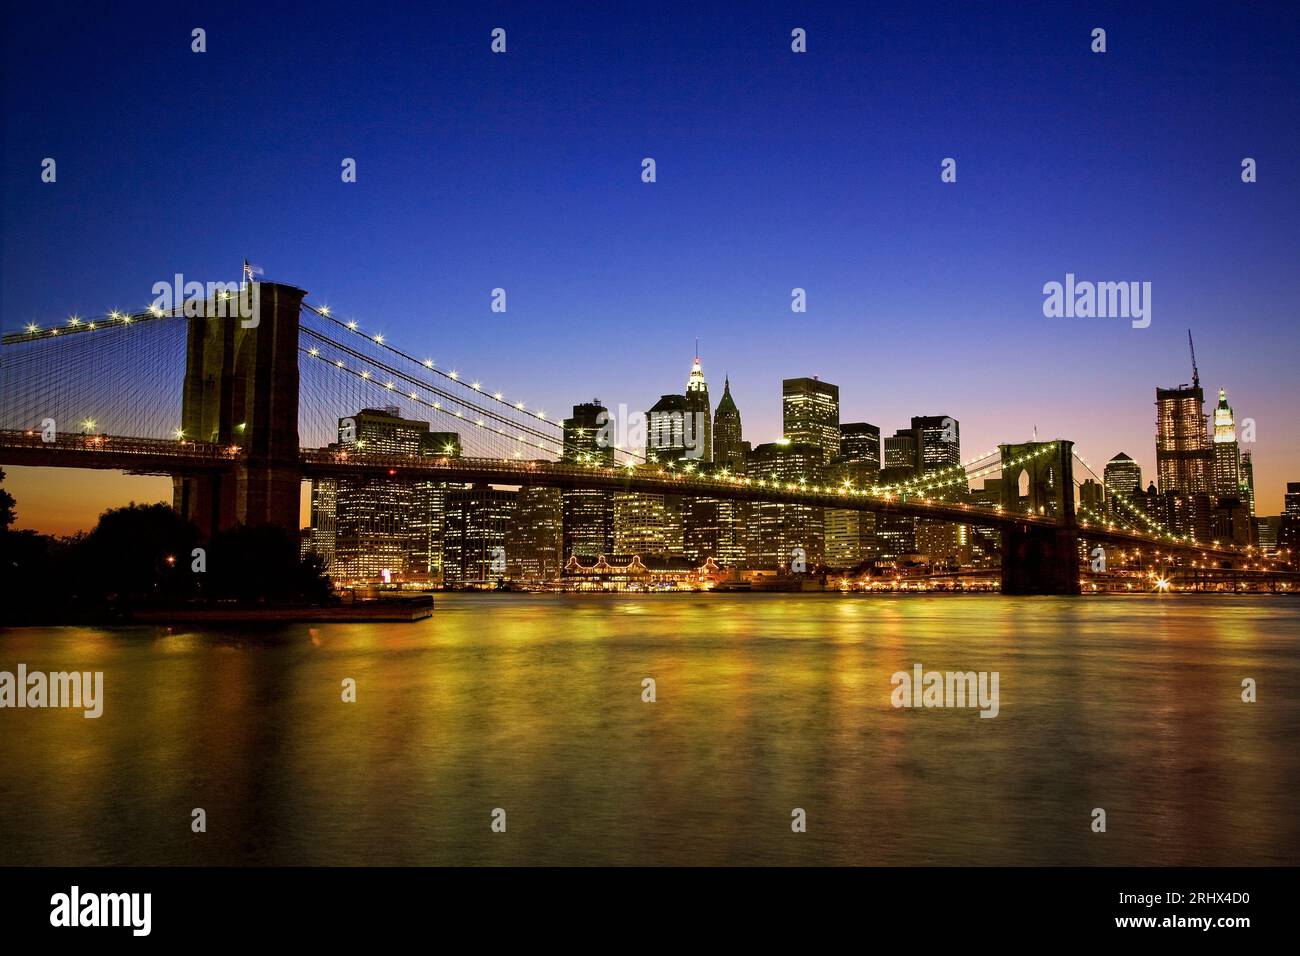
(241, 388)
(1038, 478)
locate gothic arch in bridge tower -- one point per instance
(1039, 556)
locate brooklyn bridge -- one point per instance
(238, 412)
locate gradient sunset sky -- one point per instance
(775, 171)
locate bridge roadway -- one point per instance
(180, 457)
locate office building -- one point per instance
(477, 521)
(786, 536)
(810, 414)
(535, 538)
(588, 513)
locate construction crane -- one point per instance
(1196, 376)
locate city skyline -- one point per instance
(923, 296)
(44, 484)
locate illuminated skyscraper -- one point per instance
(851, 534)
(535, 538)
(1248, 482)
(1123, 481)
(860, 446)
(672, 433)
(938, 449)
(474, 537)
(778, 533)
(1227, 457)
(324, 507)
(896, 536)
(643, 525)
(588, 512)
(698, 406)
(715, 527)
(428, 508)
(1183, 455)
(384, 523)
(810, 414)
(728, 446)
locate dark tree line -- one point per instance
(145, 556)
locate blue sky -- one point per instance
(775, 170)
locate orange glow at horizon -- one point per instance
(63, 501)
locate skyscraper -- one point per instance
(643, 525)
(782, 536)
(810, 414)
(1185, 459)
(851, 534)
(671, 433)
(381, 524)
(428, 507)
(896, 536)
(728, 446)
(860, 445)
(1227, 456)
(938, 449)
(474, 537)
(938, 446)
(1248, 482)
(324, 507)
(715, 527)
(1123, 481)
(535, 538)
(588, 513)
(698, 406)
(1183, 456)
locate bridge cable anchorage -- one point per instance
(478, 404)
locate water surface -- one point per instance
(764, 703)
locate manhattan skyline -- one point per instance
(522, 171)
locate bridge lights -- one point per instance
(88, 425)
(32, 328)
(352, 325)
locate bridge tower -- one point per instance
(241, 388)
(1038, 478)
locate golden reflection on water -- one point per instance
(764, 703)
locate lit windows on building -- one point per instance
(810, 414)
